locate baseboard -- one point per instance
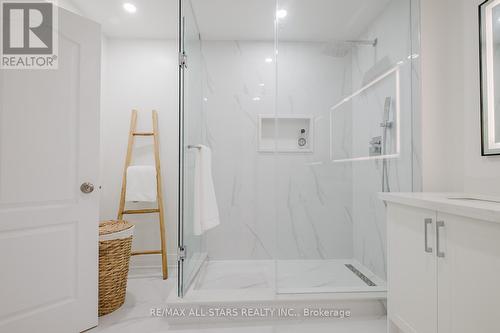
(152, 261)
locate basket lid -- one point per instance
(112, 226)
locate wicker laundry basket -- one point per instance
(115, 243)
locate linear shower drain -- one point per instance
(360, 275)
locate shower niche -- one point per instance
(285, 134)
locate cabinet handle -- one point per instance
(428, 249)
(439, 225)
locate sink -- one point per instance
(474, 198)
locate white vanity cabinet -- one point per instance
(411, 278)
(443, 264)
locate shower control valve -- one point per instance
(302, 140)
(375, 146)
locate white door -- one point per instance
(468, 275)
(412, 298)
(49, 145)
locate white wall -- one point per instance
(481, 174)
(441, 96)
(452, 158)
(140, 74)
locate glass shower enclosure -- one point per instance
(310, 108)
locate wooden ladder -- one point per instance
(159, 198)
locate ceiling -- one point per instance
(307, 20)
(153, 19)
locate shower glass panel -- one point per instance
(235, 70)
(350, 73)
(191, 135)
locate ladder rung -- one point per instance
(143, 133)
(141, 253)
(141, 211)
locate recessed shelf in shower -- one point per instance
(285, 133)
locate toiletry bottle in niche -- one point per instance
(302, 140)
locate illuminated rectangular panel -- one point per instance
(361, 114)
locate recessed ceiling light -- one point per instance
(269, 60)
(256, 99)
(261, 84)
(281, 13)
(129, 7)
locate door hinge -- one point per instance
(182, 60)
(181, 253)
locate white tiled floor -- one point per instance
(145, 293)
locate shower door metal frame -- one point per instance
(180, 206)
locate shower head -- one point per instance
(336, 49)
(341, 48)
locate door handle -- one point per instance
(428, 249)
(87, 188)
(439, 226)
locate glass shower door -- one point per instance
(351, 76)
(191, 254)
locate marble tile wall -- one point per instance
(307, 196)
(314, 205)
(393, 31)
(243, 178)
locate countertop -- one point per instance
(481, 207)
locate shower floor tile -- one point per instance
(293, 276)
(310, 276)
(235, 274)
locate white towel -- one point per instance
(141, 183)
(206, 211)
